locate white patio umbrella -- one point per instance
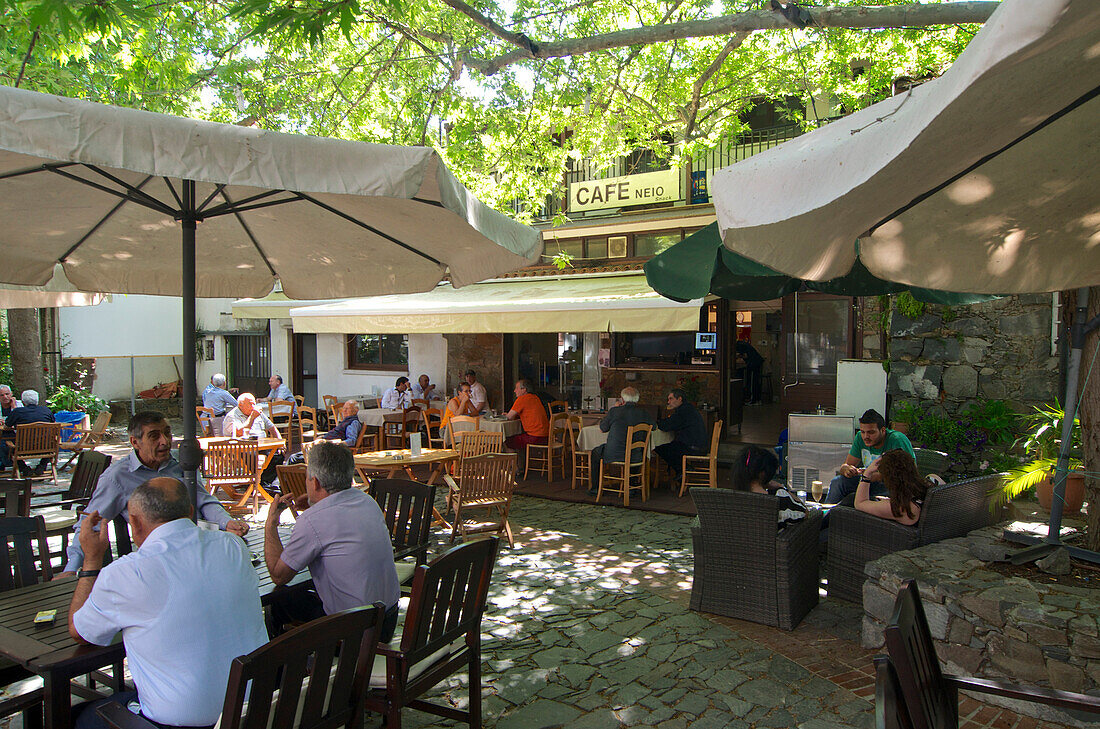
(129, 201)
(983, 180)
(57, 292)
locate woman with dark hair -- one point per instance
(753, 471)
(907, 489)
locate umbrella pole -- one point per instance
(1053, 539)
(189, 449)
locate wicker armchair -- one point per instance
(930, 461)
(856, 538)
(744, 567)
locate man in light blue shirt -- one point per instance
(187, 602)
(151, 438)
(279, 391)
(217, 398)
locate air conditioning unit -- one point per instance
(616, 246)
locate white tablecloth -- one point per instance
(508, 427)
(374, 416)
(591, 436)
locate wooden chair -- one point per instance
(61, 516)
(441, 635)
(369, 439)
(21, 567)
(433, 421)
(307, 423)
(459, 426)
(292, 480)
(407, 508)
(582, 459)
(313, 677)
(231, 466)
(476, 443)
(300, 401)
(37, 441)
(890, 710)
(930, 697)
(557, 406)
(541, 457)
(205, 418)
(397, 426)
(633, 470)
(702, 470)
(282, 415)
(332, 408)
(420, 402)
(484, 483)
(15, 497)
(88, 440)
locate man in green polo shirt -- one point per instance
(873, 440)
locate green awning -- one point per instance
(700, 265)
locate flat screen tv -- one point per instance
(706, 341)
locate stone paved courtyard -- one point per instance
(588, 626)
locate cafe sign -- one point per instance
(621, 192)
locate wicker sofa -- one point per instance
(856, 538)
(744, 568)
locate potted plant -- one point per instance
(902, 416)
(1041, 443)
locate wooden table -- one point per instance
(395, 461)
(266, 448)
(50, 651)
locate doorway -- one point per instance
(304, 367)
(554, 363)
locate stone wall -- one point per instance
(991, 626)
(484, 354)
(999, 350)
(655, 385)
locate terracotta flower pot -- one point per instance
(902, 427)
(1075, 492)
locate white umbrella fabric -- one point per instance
(983, 180)
(129, 201)
(58, 292)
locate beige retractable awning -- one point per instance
(275, 305)
(567, 304)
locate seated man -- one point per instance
(151, 440)
(347, 430)
(423, 389)
(8, 401)
(342, 538)
(248, 421)
(873, 439)
(691, 437)
(278, 391)
(532, 415)
(187, 602)
(478, 396)
(615, 424)
(397, 397)
(218, 399)
(29, 412)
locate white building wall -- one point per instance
(427, 355)
(281, 350)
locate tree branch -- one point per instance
(887, 16)
(26, 58)
(691, 109)
(528, 47)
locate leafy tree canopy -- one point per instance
(506, 91)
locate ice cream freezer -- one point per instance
(816, 446)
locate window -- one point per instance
(378, 351)
(597, 247)
(572, 246)
(650, 244)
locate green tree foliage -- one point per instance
(430, 72)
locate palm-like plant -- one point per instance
(1041, 442)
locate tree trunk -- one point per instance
(26, 351)
(1090, 420)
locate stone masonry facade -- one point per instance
(484, 354)
(991, 626)
(998, 350)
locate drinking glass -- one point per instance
(816, 489)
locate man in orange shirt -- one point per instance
(532, 415)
